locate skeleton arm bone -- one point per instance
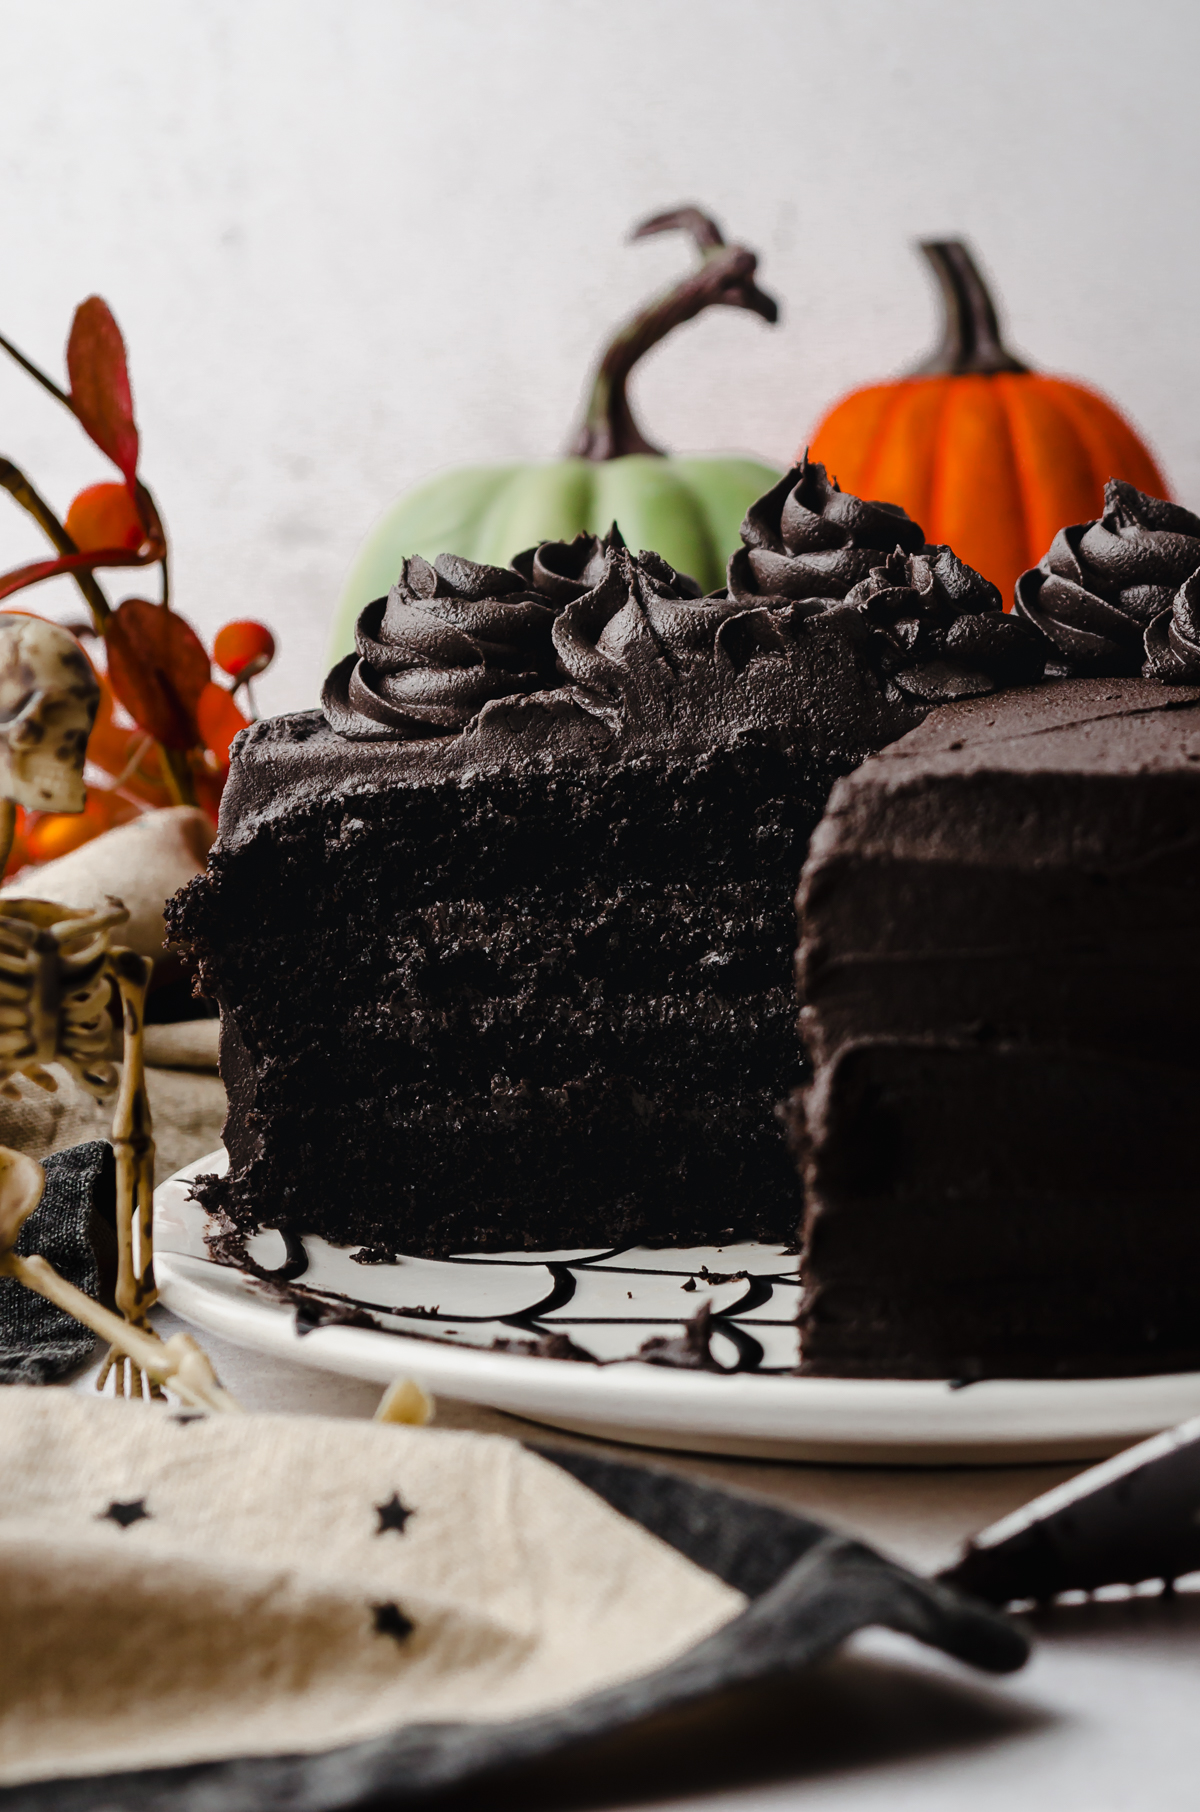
(177, 1362)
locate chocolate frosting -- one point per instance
(627, 643)
(451, 637)
(559, 571)
(808, 539)
(938, 630)
(445, 640)
(859, 627)
(1173, 639)
(1103, 584)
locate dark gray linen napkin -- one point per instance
(40, 1343)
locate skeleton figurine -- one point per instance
(58, 973)
(178, 1361)
(58, 970)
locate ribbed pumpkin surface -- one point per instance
(993, 465)
(987, 455)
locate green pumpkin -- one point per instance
(689, 510)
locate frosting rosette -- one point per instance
(445, 640)
(633, 633)
(1173, 638)
(560, 571)
(1102, 584)
(836, 611)
(452, 636)
(806, 539)
(938, 630)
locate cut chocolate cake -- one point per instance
(1001, 970)
(502, 938)
(1000, 964)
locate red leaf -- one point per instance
(219, 720)
(158, 669)
(208, 788)
(21, 576)
(100, 393)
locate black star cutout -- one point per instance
(392, 1515)
(125, 1514)
(391, 1621)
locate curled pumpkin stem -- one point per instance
(725, 277)
(970, 341)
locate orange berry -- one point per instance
(104, 516)
(243, 649)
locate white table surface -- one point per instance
(1105, 1718)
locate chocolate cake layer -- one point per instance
(1001, 966)
(498, 1155)
(582, 1024)
(672, 940)
(502, 940)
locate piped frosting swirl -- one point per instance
(559, 571)
(446, 639)
(1102, 584)
(938, 631)
(633, 639)
(1173, 638)
(836, 612)
(806, 539)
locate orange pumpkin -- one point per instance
(987, 455)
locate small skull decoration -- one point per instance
(58, 970)
(48, 700)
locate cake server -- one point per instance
(1135, 1517)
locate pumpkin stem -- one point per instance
(726, 275)
(970, 331)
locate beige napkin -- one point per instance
(174, 1589)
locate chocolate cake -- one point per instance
(501, 937)
(1001, 976)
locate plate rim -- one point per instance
(868, 1421)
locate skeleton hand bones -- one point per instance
(177, 1362)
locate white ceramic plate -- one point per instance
(609, 1302)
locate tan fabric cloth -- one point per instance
(187, 1104)
(185, 1044)
(141, 864)
(174, 1589)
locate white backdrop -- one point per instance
(351, 242)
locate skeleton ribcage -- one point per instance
(55, 989)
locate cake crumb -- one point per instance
(690, 1350)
